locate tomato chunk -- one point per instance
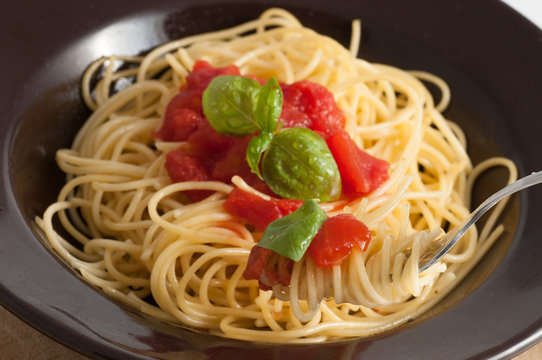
(288, 206)
(284, 270)
(212, 156)
(184, 113)
(183, 167)
(180, 124)
(209, 155)
(209, 143)
(310, 105)
(336, 238)
(256, 262)
(233, 162)
(268, 267)
(361, 173)
(203, 72)
(255, 210)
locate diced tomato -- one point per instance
(268, 267)
(255, 210)
(206, 142)
(179, 124)
(271, 269)
(209, 155)
(203, 73)
(336, 238)
(220, 157)
(310, 105)
(183, 167)
(258, 211)
(256, 262)
(287, 206)
(233, 161)
(284, 270)
(292, 116)
(361, 173)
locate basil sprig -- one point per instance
(269, 106)
(255, 148)
(292, 234)
(240, 106)
(267, 115)
(297, 163)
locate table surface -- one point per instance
(18, 341)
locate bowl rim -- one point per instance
(19, 294)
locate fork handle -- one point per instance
(446, 242)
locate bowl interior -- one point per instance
(52, 112)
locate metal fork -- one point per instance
(442, 245)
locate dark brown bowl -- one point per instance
(490, 56)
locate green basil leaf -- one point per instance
(292, 234)
(229, 104)
(269, 105)
(299, 165)
(256, 147)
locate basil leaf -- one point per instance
(269, 105)
(299, 165)
(256, 147)
(229, 104)
(292, 234)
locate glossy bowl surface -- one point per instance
(489, 55)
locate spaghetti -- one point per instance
(137, 238)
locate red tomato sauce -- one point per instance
(268, 267)
(212, 156)
(257, 211)
(336, 238)
(361, 173)
(310, 105)
(333, 243)
(209, 155)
